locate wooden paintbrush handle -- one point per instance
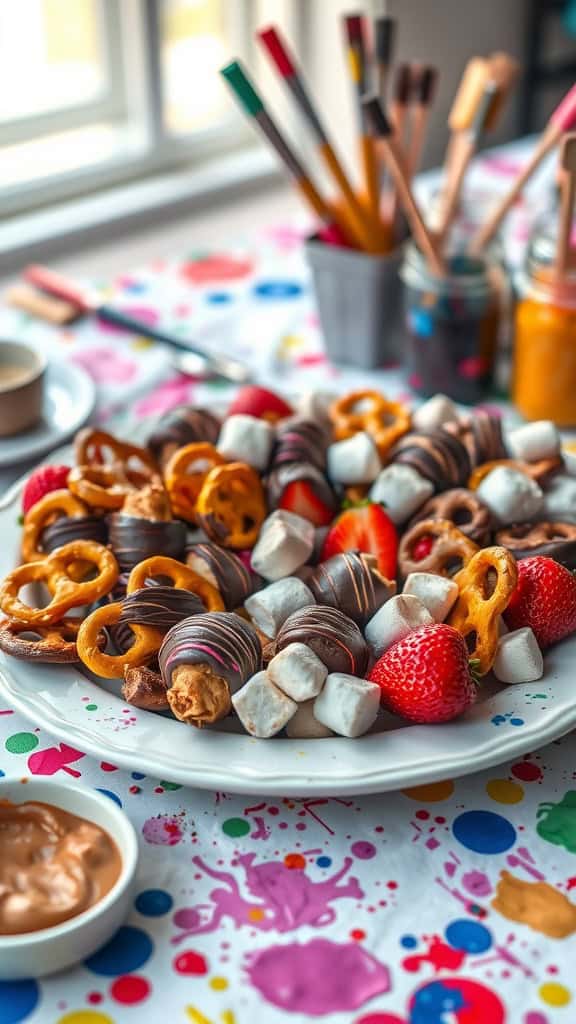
(393, 159)
(370, 174)
(463, 153)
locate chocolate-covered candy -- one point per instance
(463, 508)
(351, 582)
(225, 642)
(483, 438)
(300, 440)
(183, 425)
(438, 456)
(281, 477)
(69, 528)
(225, 571)
(159, 607)
(333, 637)
(553, 540)
(133, 539)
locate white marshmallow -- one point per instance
(305, 726)
(402, 490)
(560, 499)
(347, 705)
(298, 672)
(436, 593)
(394, 620)
(285, 543)
(246, 439)
(518, 657)
(269, 608)
(533, 441)
(511, 496)
(315, 405)
(434, 413)
(354, 461)
(261, 707)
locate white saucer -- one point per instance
(69, 397)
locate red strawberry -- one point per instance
(422, 548)
(544, 599)
(41, 482)
(299, 497)
(426, 676)
(366, 528)
(261, 403)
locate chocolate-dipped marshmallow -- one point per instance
(351, 582)
(333, 637)
(225, 571)
(204, 660)
(183, 425)
(437, 455)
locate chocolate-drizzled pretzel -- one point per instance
(554, 540)
(225, 571)
(461, 507)
(351, 582)
(436, 455)
(450, 550)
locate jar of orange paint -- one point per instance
(544, 377)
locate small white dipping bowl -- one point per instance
(34, 954)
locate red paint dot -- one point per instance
(379, 828)
(392, 885)
(440, 820)
(422, 815)
(130, 989)
(273, 810)
(134, 789)
(295, 861)
(190, 963)
(357, 934)
(158, 789)
(94, 998)
(526, 771)
(552, 969)
(301, 826)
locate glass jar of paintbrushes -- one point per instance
(544, 380)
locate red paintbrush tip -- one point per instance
(270, 38)
(354, 28)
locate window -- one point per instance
(97, 92)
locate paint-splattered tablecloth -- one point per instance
(441, 904)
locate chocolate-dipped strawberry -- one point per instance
(438, 456)
(333, 637)
(351, 582)
(144, 527)
(225, 571)
(183, 425)
(205, 659)
(69, 528)
(302, 488)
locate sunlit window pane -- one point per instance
(194, 46)
(51, 56)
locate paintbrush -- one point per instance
(358, 70)
(562, 120)
(389, 150)
(384, 44)
(366, 232)
(424, 90)
(253, 105)
(567, 197)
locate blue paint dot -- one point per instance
(421, 323)
(108, 792)
(498, 719)
(138, 775)
(484, 832)
(2, 774)
(409, 941)
(135, 287)
(127, 950)
(516, 721)
(153, 902)
(17, 1000)
(469, 936)
(219, 298)
(324, 862)
(277, 289)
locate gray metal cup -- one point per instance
(359, 303)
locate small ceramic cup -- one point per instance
(34, 954)
(21, 387)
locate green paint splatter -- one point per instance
(169, 785)
(90, 707)
(236, 827)
(21, 743)
(557, 822)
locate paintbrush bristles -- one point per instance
(379, 123)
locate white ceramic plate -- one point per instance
(68, 401)
(505, 723)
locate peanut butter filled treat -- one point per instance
(203, 661)
(144, 526)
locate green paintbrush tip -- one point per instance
(242, 86)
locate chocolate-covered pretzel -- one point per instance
(461, 507)
(64, 530)
(183, 425)
(437, 456)
(554, 540)
(133, 539)
(333, 637)
(449, 550)
(225, 571)
(300, 440)
(352, 583)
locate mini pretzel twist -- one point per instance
(89, 446)
(450, 550)
(100, 486)
(384, 420)
(44, 512)
(231, 506)
(480, 603)
(54, 571)
(184, 474)
(50, 644)
(179, 575)
(147, 642)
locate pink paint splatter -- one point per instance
(105, 366)
(163, 830)
(54, 759)
(318, 977)
(177, 391)
(216, 268)
(477, 883)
